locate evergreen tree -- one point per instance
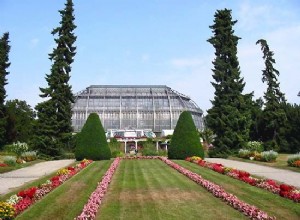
(185, 141)
(91, 142)
(274, 117)
(4, 64)
(293, 128)
(20, 117)
(229, 118)
(54, 115)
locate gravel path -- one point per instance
(16, 178)
(285, 176)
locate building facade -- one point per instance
(154, 107)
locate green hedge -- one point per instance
(91, 142)
(185, 141)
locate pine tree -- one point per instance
(229, 117)
(274, 117)
(4, 64)
(185, 141)
(54, 115)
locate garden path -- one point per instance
(284, 176)
(16, 178)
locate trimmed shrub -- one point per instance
(91, 142)
(185, 141)
(269, 156)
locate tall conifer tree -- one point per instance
(4, 64)
(274, 117)
(229, 117)
(54, 115)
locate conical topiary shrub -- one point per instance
(91, 142)
(185, 141)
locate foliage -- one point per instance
(91, 141)
(53, 130)
(4, 65)
(292, 129)
(115, 147)
(21, 118)
(254, 146)
(29, 156)
(18, 148)
(229, 118)
(269, 156)
(244, 153)
(274, 118)
(149, 148)
(185, 141)
(10, 160)
(292, 160)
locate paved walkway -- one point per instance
(285, 176)
(16, 178)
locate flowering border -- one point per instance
(25, 198)
(284, 190)
(90, 209)
(248, 210)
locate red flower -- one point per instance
(284, 187)
(3, 165)
(28, 192)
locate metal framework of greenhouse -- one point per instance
(154, 107)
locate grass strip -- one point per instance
(148, 189)
(67, 201)
(271, 203)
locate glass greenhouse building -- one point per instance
(154, 107)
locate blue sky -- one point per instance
(150, 42)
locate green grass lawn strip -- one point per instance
(67, 201)
(149, 189)
(273, 204)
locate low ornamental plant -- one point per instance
(91, 207)
(269, 156)
(248, 210)
(294, 160)
(16, 204)
(7, 211)
(284, 190)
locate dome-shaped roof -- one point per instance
(153, 107)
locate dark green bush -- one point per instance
(185, 141)
(91, 142)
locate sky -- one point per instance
(150, 42)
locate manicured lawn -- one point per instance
(273, 204)
(67, 201)
(281, 162)
(149, 189)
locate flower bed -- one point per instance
(283, 190)
(248, 210)
(91, 207)
(25, 198)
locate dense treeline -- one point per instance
(235, 118)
